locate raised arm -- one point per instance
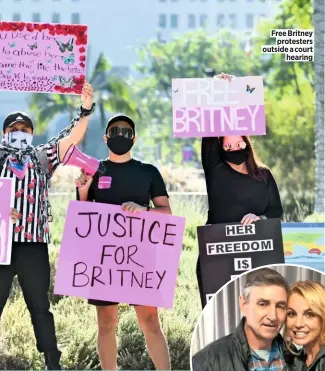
(78, 131)
(210, 152)
(72, 134)
(274, 208)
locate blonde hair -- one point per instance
(314, 294)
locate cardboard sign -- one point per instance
(112, 255)
(228, 250)
(7, 197)
(212, 107)
(304, 244)
(42, 57)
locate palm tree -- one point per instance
(112, 94)
(319, 117)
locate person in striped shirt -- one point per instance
(32, 168)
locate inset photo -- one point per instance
(270, 318)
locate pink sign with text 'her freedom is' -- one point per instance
(112, 255)
(211, 107)
(42, 57)
(7, 194)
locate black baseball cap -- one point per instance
(120, 117)
(14, 117)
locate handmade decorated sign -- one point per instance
(117, 256)
(212, 107)
(227, 250)
(304, 244)
(42, 57)
(7, 192)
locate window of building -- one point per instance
(174, 21)
(233, 20)
(36, 17)
(162, 21)
(249, 20)
(75, 18)
(56, 18)
(203, 20)
(221, 20)
(191, 21)
(16, 17)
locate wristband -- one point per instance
(263, 217)
(86, 112)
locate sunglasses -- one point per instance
(234, 146)
(124, 132)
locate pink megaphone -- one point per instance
(90, 165)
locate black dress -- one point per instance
(231, 194)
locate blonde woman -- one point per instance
(305, 326)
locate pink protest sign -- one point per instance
(112, 255)
(213, 107)
(42, 57)
(7, 194)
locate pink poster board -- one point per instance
(7, 197)
(42, 57)
(212, 107)
(112, 255)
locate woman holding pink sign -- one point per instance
(240, 188)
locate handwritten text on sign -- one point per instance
(212, 107)
(108, 254)
(6, 202)
(44, 58)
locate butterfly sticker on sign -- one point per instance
(38, 52)
(65, 46)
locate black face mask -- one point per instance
(119, 145)
(236, 157)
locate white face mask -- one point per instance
(18, 139)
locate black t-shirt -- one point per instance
(131, 181)
(231, 194)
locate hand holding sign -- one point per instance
(249, 219)
(14, 214)
(133, 207)
(87, 96)
(224, 76)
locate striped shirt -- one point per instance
(28, 196)
(274, 363)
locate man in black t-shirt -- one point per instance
(131, 184)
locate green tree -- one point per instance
(319, 119)
(111, 94)
(288, 147)
(188, 56)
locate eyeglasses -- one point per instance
(117, 131)
(234, 146)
